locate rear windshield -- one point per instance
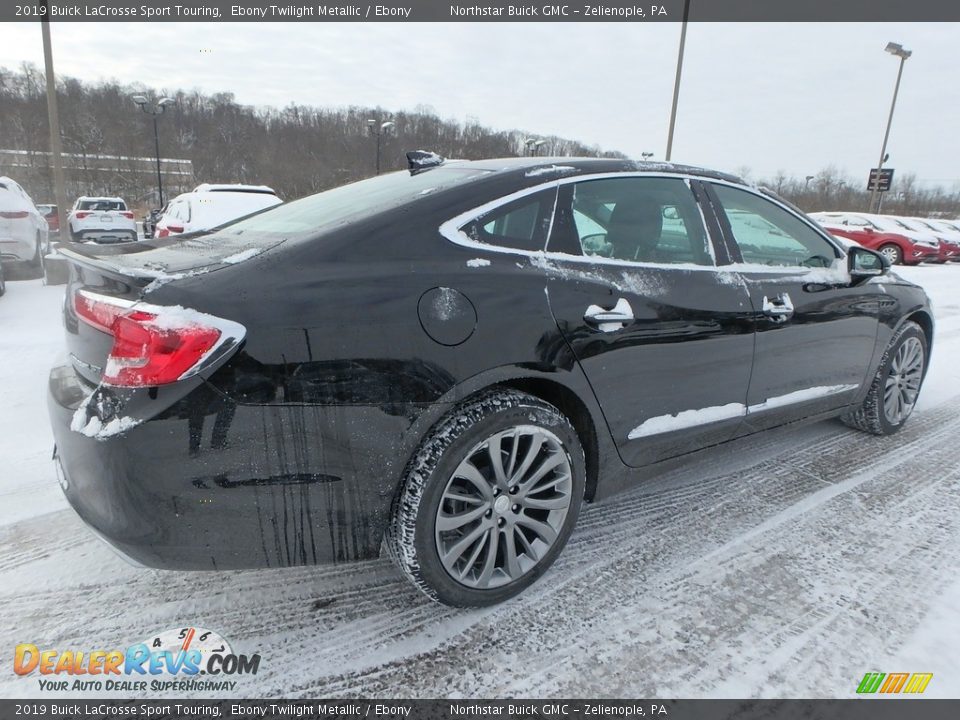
(356, 201)
(101, 205)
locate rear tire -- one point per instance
(893, 253)
(519, 513)
(894, 390)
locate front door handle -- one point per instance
(778, 308)
(612, 319)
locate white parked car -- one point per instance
(24, 237)
(210, 206)
(101, 220)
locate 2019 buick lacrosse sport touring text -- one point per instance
(448, 360)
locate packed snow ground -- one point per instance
(787, 565)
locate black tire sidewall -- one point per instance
(432, 571)
(908, 331)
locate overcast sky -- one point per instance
(793, 97)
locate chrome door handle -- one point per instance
(609, 320)
(779, 308)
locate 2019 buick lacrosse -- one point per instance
(448, 360)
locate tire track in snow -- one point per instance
(623, 581)
(377, 634)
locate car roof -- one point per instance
(100, 197)
(583, 165)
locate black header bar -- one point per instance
(479, 11)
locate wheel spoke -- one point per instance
(546, 466)
(495, 451)
(460, 497)
(453, 554)
(554, 503)
(510, 554)
(528, 548)
(490, 563)
(472, 560)
(468, 471)
(447, 522)
(536, 442)
(546, 533)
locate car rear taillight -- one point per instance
(153, 345)
(14, 215)
(128, 215)
(80, 215)
(169, 229)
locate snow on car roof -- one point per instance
(224, 187)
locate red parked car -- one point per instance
(898, 245)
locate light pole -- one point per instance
(155, 110)
(807, 180)
(646, 155)
(898, 50)
(676, 82)
(379, 131)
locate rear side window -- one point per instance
(519, 225)
(766, 234)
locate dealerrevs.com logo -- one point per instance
(181, 659)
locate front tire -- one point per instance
(896, 386)
(488, 500)
(893, 253)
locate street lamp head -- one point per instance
(371, 122)
(139, 99)
(166, 101)
(897, 49)
(384, 126)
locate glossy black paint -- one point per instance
(360, 338)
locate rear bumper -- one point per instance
(17, 249)
(212, 484)
(106, 236)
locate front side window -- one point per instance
(766, 234)
(654, 220)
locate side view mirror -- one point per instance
(863, 264)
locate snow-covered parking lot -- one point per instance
(787, 565)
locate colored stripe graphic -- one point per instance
(918, 682)
(870, 683)
(894, 682)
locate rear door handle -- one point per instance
(612, 319)
(778, 308)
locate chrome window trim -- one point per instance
(452, 229)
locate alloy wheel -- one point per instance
(504, 507)
(891, 253)
(903, 381)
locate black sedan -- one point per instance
(446, 361)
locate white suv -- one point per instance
(210, 206)
(23, 230)
(101, 220)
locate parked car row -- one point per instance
(902, 240)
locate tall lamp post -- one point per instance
(379, 131)
(155, 110)
(676, 82)
(898, 50)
